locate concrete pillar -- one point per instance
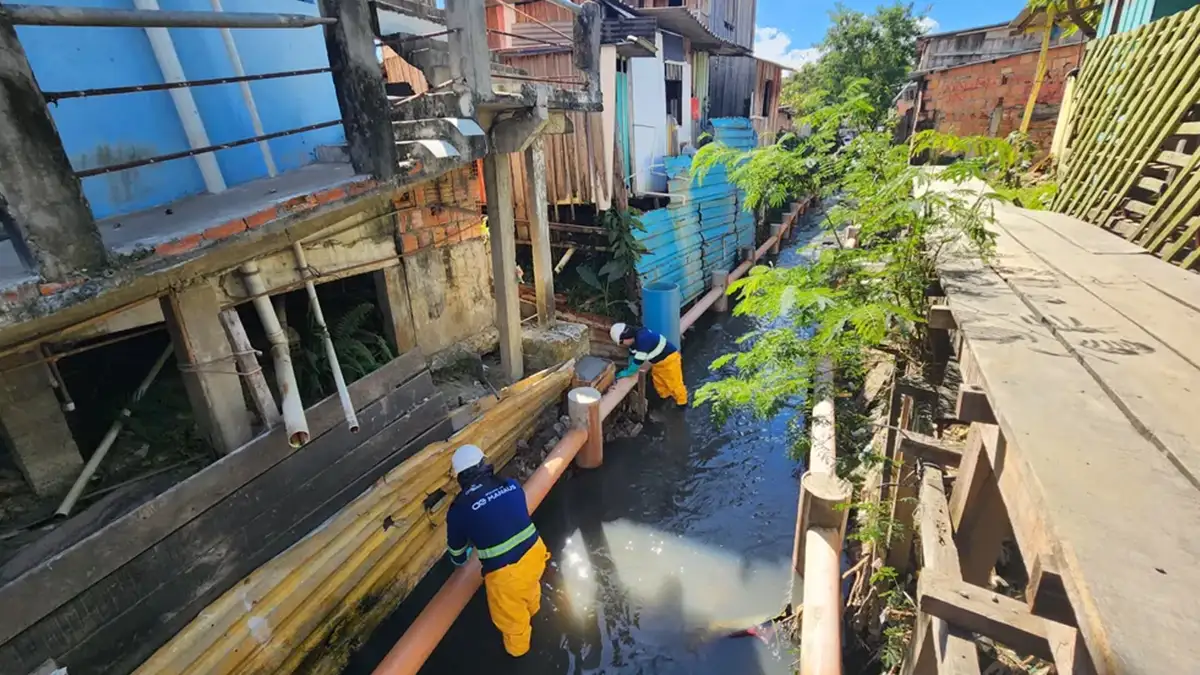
(34, 425)
(777, 232)
(537, 206)
(469, 57)
(391, 289)
(746, 253)
(206, 359)
(41, 199)
(583, 405)
(497, 177)
(358, 81)
(720, 279)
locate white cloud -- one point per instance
(775, 45)
(928, 24)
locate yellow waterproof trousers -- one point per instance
(514, 595)
(667, 376)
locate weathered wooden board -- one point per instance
(1131, 364)
(1121, 517)
(39, 591)
(1083, 236)
(122, 617)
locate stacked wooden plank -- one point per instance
(1133, 155)
(310, 606)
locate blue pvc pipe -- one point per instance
(660, 309)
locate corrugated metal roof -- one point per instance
(705, 225)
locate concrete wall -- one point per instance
(988, 99)
(110, 129)
(450, 293)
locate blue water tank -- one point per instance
(660, 309)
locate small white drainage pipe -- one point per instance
(89, 469)
(240, 71)
(338, 380)
(185, 105)
(285, 377)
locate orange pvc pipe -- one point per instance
(820, 629)
(418, 642)
(616, 393)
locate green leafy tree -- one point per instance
(877, 48)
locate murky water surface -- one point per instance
(683, 534)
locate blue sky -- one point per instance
(787, 29)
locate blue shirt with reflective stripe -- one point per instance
(646, 341)
(490, 515)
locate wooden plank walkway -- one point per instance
(1088, 349)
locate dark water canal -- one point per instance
(685, 529)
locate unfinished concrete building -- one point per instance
(168, 179)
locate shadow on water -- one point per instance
(686, 526)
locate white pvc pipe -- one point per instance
(338, 380)
(285, 377)
(185, 105)
(89, 469)
(240, 71)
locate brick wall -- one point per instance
(988, 99)
(440, 212)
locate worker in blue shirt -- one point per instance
(666, 369)
(490, 514)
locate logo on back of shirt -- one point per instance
(493, 495)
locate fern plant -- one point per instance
(360, 350)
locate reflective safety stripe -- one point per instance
(513, 542)
(456, 552)
(646, 356)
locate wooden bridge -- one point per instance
(1080, 362)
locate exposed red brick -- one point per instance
(439, 236)
(409, 243)
(183, 245)
(332, 195)
(359, 187)
(261, 218)
(57, 287)
(425, 238)
(296, 204)
(225, 230)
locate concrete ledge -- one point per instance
(544, 348)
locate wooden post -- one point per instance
(203, 353)
(358, 81)
(977, 512)
(42, 203)
(539, 230)
(946, 648)
(900, 540)
(247, 363)
(640, 395)
(583, 405)
(391, 290)
(720, 279)
(497, 176)
(777, 233)
(972, 405)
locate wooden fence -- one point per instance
(1133, 137)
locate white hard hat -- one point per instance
(616, 331)
(466, 457)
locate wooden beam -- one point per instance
(941, 318)
(1070, 653)
(954, 648)
(1045, 592)
(981, 611)
(977, 512)
(930, 449)
(900, 541)
(973, 406)
(498, 179)
(253, 380)
(539, 230)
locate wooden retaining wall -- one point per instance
(105, 604)
(1134, 135)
